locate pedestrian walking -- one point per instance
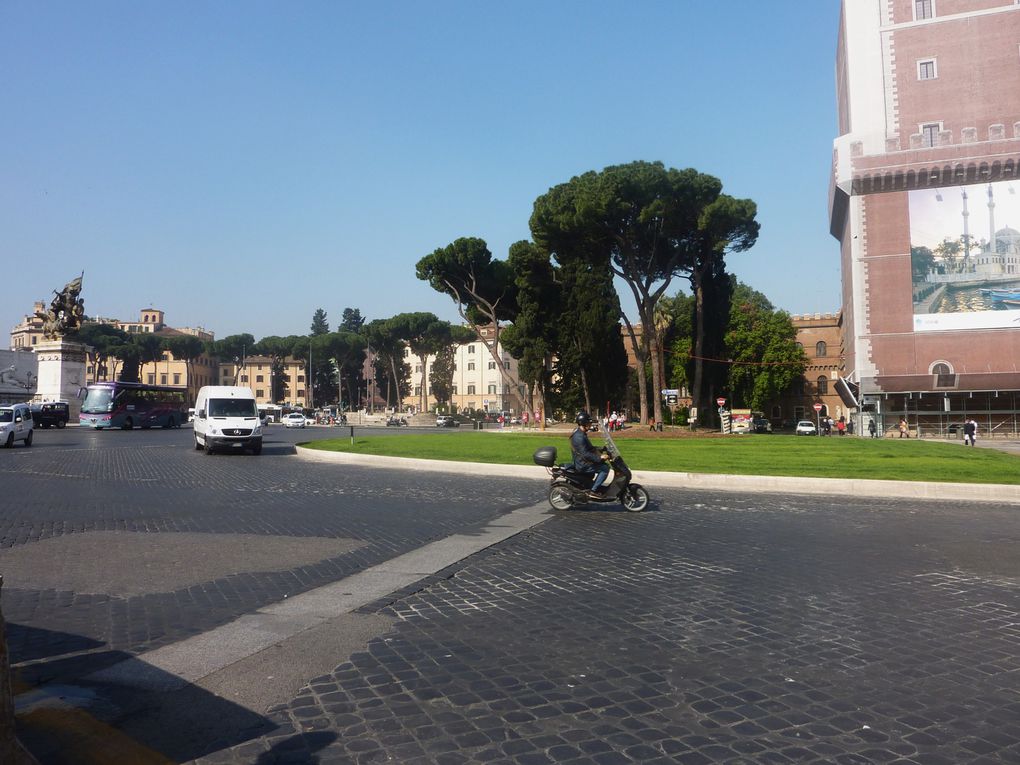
(904, 428)
(872, 428)
(969, 432)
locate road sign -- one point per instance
(671, 399)
(818, 407)
(720, 401)
(670, 392)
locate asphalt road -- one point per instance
(163, 605)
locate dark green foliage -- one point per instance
(352, 321)
(320, 326)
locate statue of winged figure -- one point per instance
(66, 311)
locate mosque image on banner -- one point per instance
(965, 256)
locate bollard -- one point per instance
(11, 750)
(352, 435)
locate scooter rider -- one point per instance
(588, 459)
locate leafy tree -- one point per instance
(128, 355)
(650, 225)
(320, 326)
(101, 339)
(592, 364)
(352, 321)
(444, 366)
(277, 349)
(533, 338)
(482, 288)
(762, 343)
(186, 348)
(345, 353)
(724, 225)
(922, 260)
(425, 335)
(388, 350)
(150, 349)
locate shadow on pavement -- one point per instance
(65, 717)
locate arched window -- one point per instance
(823, 385)
(944, 375)
(820, 348)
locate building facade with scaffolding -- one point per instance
(925, 202)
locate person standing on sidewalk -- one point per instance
(969, 432)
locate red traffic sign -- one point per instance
(818, 407)
(720, 401)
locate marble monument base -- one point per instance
(61, 373)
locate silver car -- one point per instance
(294, 420)
(16, 424)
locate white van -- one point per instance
(226, 417)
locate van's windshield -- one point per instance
(232, 407)
(6, 415)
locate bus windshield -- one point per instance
(98, 400)
(232, 407)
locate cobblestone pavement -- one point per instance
(713, 628)
(153, 482)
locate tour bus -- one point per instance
(128, 405)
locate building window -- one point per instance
(260, 393)
(259, 378)
(944, 376)
(471, 349)
(417, 368)
(930, 134)
(798, 387)
(492, 389)
(492, 365)
(301, 393)
(924, 9)
(417, 390)
(177, 378)
(820, 348)
(453, 390)
(471, 366)
(300, 378)
(823, 386)
(244, 378)
(926, 70)
(152, 378)
(506, 364)
(471, 390)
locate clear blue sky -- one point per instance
(240, 164)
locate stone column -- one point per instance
(61, 373)
(11, 750)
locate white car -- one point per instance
(806, 428)
(294, 420)
(16, 424)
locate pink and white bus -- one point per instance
(133, 405)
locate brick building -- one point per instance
(925, 202)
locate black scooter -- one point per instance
(568, 488)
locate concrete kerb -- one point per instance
(851, 487)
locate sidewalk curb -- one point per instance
(851, 487)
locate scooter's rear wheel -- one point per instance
(635, 498)
(561, 497)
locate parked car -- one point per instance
(294, 420)
(395, 422)
(806, 428)
(55, 413)
(760, 425)
(15, 424)
(446, 421)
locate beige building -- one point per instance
(256, 372)
(29, 331)
(478, 383)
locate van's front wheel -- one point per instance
(198, 445)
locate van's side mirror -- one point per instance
(18, 418)
(201, 414)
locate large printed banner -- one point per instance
(965, 256)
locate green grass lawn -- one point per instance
(783, 455)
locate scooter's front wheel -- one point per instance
(635, 498)
(561, 497)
